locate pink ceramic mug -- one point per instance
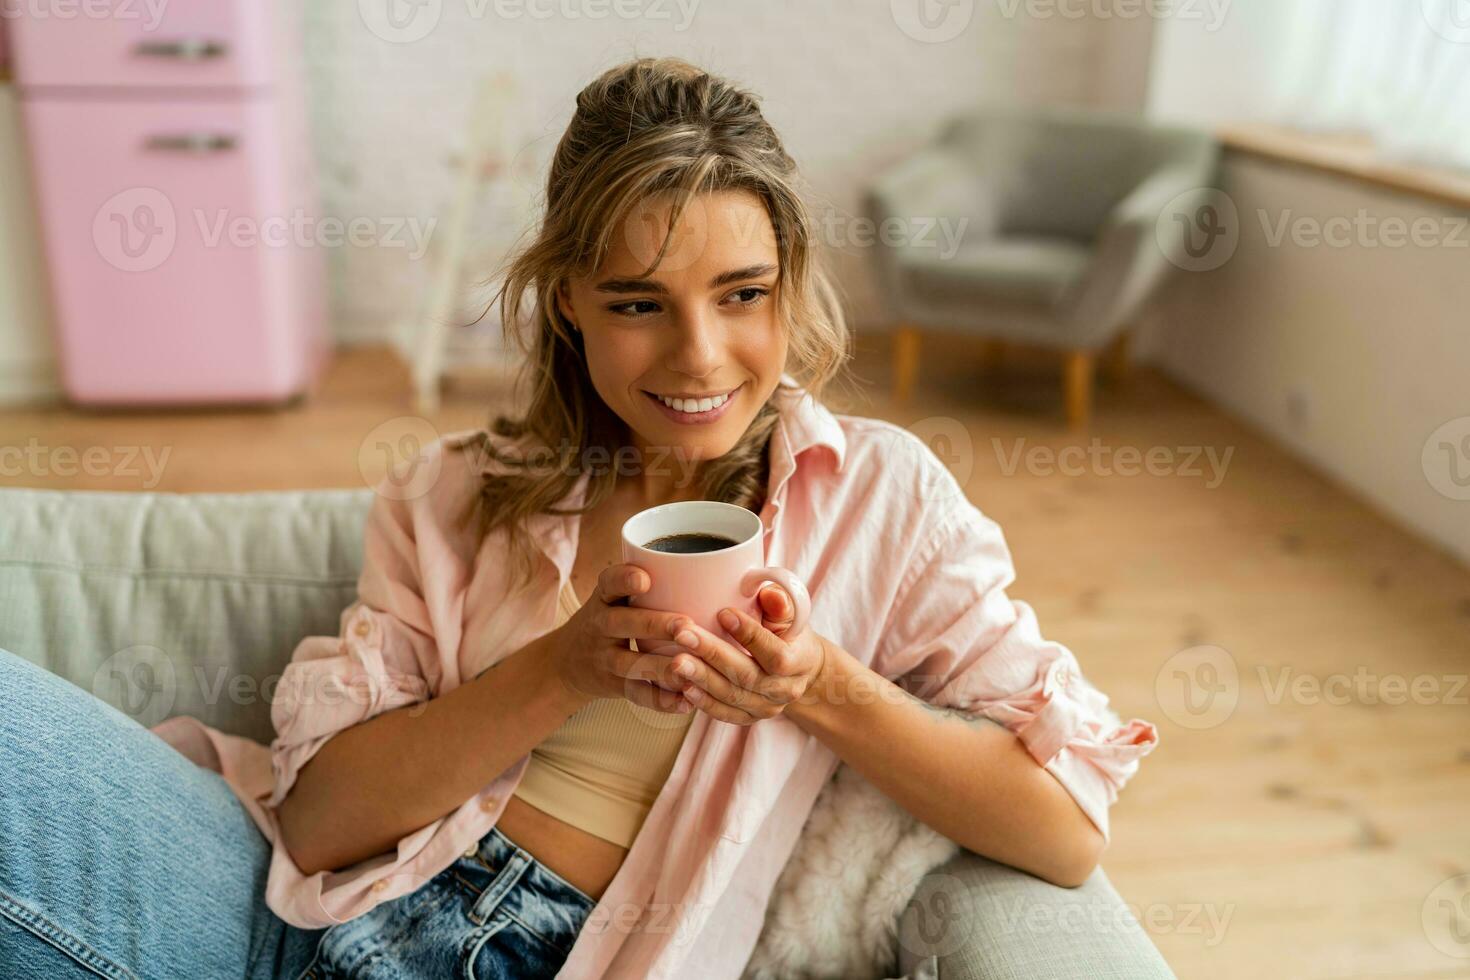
(701, 584)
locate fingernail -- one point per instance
(688, 639)
(728, 619)
(683, 669)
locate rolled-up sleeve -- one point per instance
(384, 658)
(955, 638)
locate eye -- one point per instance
(757, 295)
(627, 309)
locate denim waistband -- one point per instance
(508, 879)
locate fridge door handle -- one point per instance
(183, 49)
(197, 144)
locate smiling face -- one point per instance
(687, 356)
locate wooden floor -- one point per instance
(1291, 823)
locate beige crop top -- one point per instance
(603, 768)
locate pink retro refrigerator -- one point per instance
(177, 198)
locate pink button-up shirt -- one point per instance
(904, 573)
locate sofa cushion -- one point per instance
(164, 604)
(1033, 270)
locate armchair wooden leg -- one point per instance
(1118, 366)
(905, 362)
(1078, 384)
(992, 355)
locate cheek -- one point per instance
(614, 362)
(762, 346)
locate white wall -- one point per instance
(845, 86)
(1352, 356)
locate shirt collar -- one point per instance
(805, 424)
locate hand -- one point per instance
(590, 652)
(730, 685)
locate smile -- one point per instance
(691, 411)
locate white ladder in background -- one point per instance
(424, 337)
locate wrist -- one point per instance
(556, 677)
(829, 690)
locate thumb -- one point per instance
(776, 605)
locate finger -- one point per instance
(734, 664)
(652, 667)
(635, 623)
(770, 651)
(765, 696)
(616, 582)
(717, 709)
(776, 605)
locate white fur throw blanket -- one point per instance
(836, 907)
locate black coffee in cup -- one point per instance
(690, 543)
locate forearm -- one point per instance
(968, 778)
(372, 784)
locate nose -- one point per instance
(698, 345)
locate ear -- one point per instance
(564, 304)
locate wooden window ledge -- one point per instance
(1355, 157)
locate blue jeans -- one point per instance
(121, 858)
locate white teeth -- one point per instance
(692, 405)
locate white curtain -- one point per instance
(1397, 70)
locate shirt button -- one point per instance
(361, 629)
(380, 884)
(489, 803)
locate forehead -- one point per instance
(715, 231)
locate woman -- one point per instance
(481, 775)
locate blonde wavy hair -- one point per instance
(648, 127)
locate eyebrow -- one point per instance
(658, 288)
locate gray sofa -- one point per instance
(211, 592)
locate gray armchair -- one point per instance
(1053, 237)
